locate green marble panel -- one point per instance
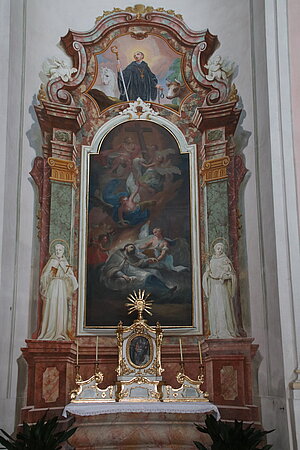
(62, 213)
(217, 211)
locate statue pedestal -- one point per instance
(50, 377)
(228, 377)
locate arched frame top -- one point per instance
(103, 131)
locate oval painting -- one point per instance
(139, 351)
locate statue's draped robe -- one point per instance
(219, 284)
(57, 285)
(139, 81)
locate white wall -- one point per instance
(35, 30)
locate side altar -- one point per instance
(140, 189)
(140, 399)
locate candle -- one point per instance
(77, 352)
(97, 349)
(180, 346)
(200, 352)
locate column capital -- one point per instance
(62, 170)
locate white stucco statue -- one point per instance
(218, 68)
(55, 67)
(219, 284)
(57, 286)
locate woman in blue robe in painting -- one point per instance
(139, 80)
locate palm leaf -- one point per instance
(226, 436)
(199, 445)
(39, 436)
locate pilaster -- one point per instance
(55, 175)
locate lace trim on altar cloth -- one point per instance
(84, 409)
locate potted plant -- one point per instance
(226, 436)
(41, 435)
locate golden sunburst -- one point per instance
(139, 302)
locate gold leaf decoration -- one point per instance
(140, 10)
(42, 96)
(233, 97)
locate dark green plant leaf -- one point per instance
(7, 444)
(7, 435)
(65, 435)
(39, 436)
(227, 436)
(199, 445)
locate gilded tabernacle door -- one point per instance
(139, 209)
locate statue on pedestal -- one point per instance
(219, 285)
(57, 286)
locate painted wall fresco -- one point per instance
(130, 68)
(139, 226)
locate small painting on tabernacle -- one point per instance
(139, 226)
(130, 69)
(139, 352)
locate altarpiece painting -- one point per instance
(139, 225)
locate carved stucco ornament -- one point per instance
(58, 68)
(140, 11)
(139, 110)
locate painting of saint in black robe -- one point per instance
(139, 80)
(139, 351)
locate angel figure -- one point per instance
(219, 68)
(56, 286)
(160, 170)
(163, 249)
(55, 67)
(219, 285)
(126, 210)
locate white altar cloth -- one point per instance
(93, 409)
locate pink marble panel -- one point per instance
(50, 385)
(229, 383)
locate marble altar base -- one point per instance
(138, 431)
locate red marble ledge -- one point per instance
(30, 414)
(248, 414)
(221, 115)
(56, 115)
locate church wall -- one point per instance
(17, 230)
(240, 29)
(294, 42)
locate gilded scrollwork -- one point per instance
(123, 368)
(140, 11)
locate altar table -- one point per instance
(138, 426)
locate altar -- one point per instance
(142, 425)
(139, 199)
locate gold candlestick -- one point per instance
(181, 355)
(97, 341)
(77, 353)
(200, 352)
